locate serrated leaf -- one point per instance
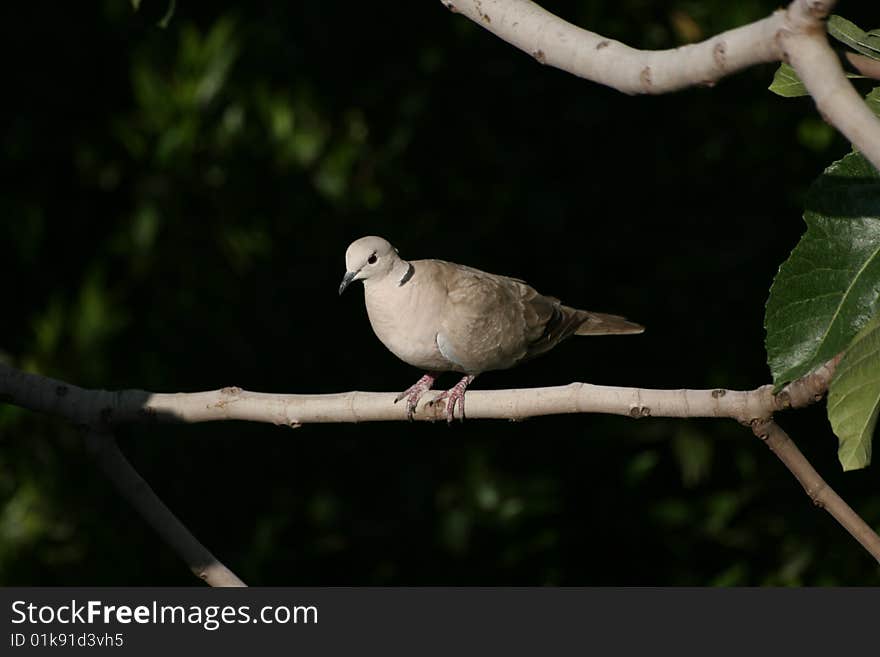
(786, 83)
(830, 285)
(854, 397)
(853, 36)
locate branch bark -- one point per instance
(106, 408)
(815, 487)
(795, 35)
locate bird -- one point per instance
(444, 317)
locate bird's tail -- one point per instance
(602, 324)
(565, 321)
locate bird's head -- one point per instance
(369, 257)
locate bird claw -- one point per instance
(414, 393)
(412, 400)
(454, 396)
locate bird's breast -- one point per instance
(407, 322)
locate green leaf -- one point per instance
(136, 4)
(854, 397)
(786, 83)
(853, 36)
(872, 39)
(830, 285)
(873, 100)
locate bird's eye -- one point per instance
(372, 259)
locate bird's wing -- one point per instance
(489, 321)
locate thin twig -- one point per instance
(816, 488)
(137, 491)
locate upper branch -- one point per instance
(554, 41)
(795, 34)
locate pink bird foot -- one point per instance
(453, 396)
(415, 392)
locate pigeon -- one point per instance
(443, 317)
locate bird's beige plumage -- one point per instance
(440, 316)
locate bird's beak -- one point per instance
(348, 278)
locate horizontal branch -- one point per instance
(795, 35)
(104, 408)
(294, 410)
(99, 409)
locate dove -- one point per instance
(443, 317)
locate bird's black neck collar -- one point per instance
(408, 275)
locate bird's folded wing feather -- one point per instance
(494, 322)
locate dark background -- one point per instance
(175, 208)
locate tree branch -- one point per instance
(556, 42)
(138, 492)
(836, 99)
(795, 34)
(98, 410)
(105, 408)
(815, 487)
